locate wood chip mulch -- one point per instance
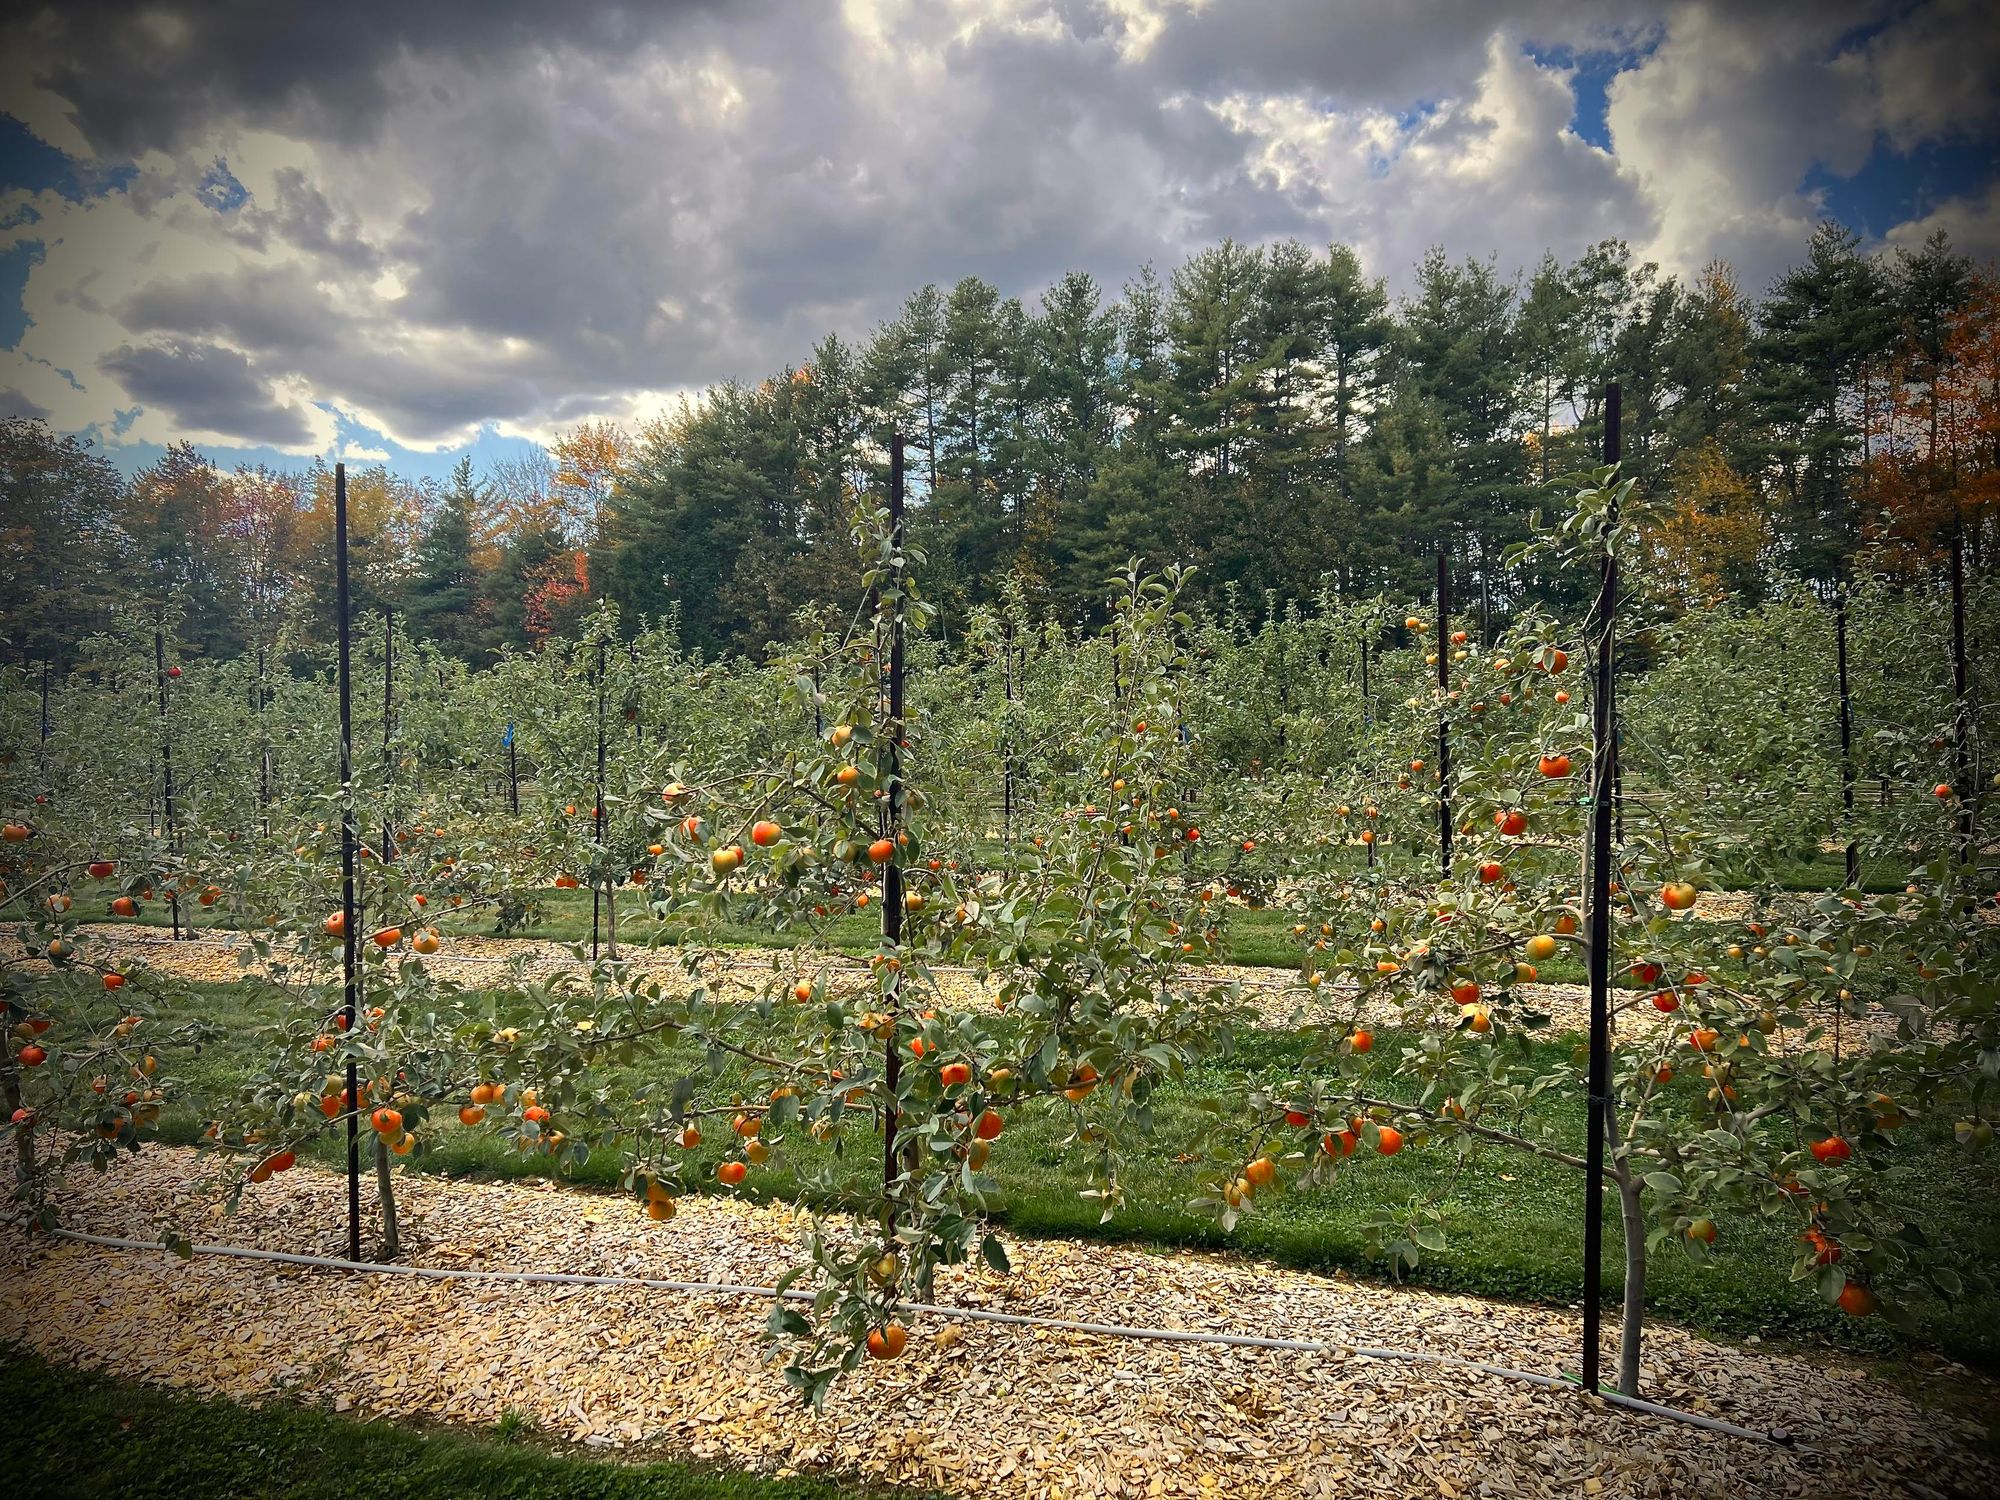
(974, 1409)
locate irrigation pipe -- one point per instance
(969, 1314)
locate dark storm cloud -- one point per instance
(207, 388)
(302, 217)
(272, 309)
(478, 210)
(156, 76)
(1345, 50)
(13, 404)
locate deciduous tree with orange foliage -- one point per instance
(1711, 532)
(1934, 444)
(588, 459)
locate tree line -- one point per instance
(1269, 414)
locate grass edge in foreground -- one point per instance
(80, 1433)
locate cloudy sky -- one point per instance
(383, 229)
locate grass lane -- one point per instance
(1513, 1218)
(77, 1435)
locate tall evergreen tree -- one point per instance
(444, 598)
(1073, 399)
(1458, 351)
(1551, 345)
(903, 377)
(1210, 399)
(1822, 330)
(64, 556)
(1357, 334)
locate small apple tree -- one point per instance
(1780, 1127)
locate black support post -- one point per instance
(388, 718)
(1604, 730)
(597, 810)
(350, 917)
(890, 772)
(1007, 741)
(46, 726)
(263, 741)
(1444, 715)
(167, 773)
(1846, 735)
(1367, 722)
(1961, 697)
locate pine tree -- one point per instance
(64, 555)
(444, 599)
(1822, 330)
(1358, 331)
(1073, 404)
(1458, 350)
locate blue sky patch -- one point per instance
(1591, 83)
(1894, 186)
(409, 463)
(220, 190)
(15, 263)
(27, 162)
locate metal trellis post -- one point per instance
(388, 718)
(350, 917)
(597, 809)
(1846, 734)
(46, 787)
(167, 772)
(891, 773)
(1367, 722)
(1961, 695)
(1604, 741)
(263, 741)
(1444, 717)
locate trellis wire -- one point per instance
(969, 1314)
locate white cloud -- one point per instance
(1972, 221)
(1934, 73)
(487, 218)
(1722, 121)
(1497, 171)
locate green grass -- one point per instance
(1514, 1219)
(75, 1435)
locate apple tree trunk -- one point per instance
(385, 1191)
(1633, 1221)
